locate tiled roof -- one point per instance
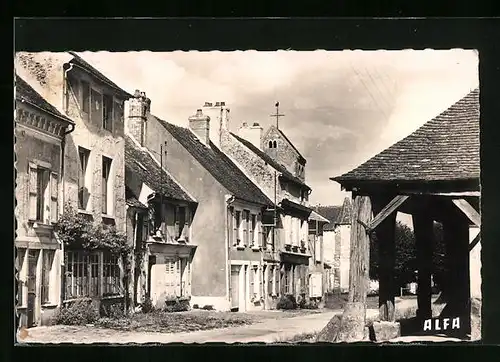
(331, 213)
(444, 149)
(132, 199)
(25, 93)
(317, 217)
(219, 165)
(286, 174)
(148, 171)
(78, 60)
(291, 144)
(345, 213)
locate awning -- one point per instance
(174, 249)
(288, 205)
(317, 217)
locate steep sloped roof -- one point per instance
(78, 60)
(25, 93)
(331, 213)
(345, 214)
(444, 149)
(218, 165)
(132, 199)
(269, 160)
(141, 163)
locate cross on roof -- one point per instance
(277, 114)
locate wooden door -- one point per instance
(31, 281)
(235, 287)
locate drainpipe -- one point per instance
(229, 200)
(67, 67)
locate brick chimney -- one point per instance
(200, 125)
(252, 134)
(219, 119)
(136, 112)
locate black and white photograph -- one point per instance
(279, 197)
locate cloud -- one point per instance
(340, 108)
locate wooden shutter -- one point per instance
(230, 226)
(236, 226)
(178, 277)
(260, 241)
(53, 196)
(187, 222)
(32, 174)
(251, 281)
(96, 107)
(188, 276)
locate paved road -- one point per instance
(268, 331)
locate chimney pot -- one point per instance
(222, 104)
(245, 124)
(137, 93)
(256, 124)
(207, 104)
(199, 112)
(217, 104)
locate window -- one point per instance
(96, 108)
(253, 225)
(237, 224)
(180, 222)
(107, 112)
(256, 282)
(43, 190)
(85, 105)
(274, 144)
(92, 274)
(105, 186)
(118, 111)
(42, 182)
(48, 258)
(83, 190)
(21, 253)
(231, 226)
(246, 231)
(111, 274)
(287, 280)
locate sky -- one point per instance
(341, 107)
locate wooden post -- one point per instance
(456, 238)
(424, 235)
(354, 317)
(385, 233)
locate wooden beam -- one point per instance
(468, 210)
(385, 212)
(424, 235)
(451, 194)
(474, 242)
(354, 317)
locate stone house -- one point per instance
(336, 239)
(93, 163)
(40, 131)
(273, 164)
(159, 215)
(227, 271)
(319, 270)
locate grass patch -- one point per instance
(298, 338)
(164, 322)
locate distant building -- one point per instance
(319, 270)
(40, 131)
(337, 236)
(272, 162)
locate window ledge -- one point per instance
(41, 226)
(21, 307)
(106, 216)
(256, 248)
(86, 212)
(240, 247)
(49, 305)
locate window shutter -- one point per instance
(176, 225)
(53, 197)
(235, 228)
(259, 228)
(188, 276)
(32, 174)
(178, 277)
(251, 280)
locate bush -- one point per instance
(208, 307)
(147, 306)
(113, 311)
(80, 312)
(177, 305)
(196, 306)
(287, 302)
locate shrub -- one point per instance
(177, 305)
(147, 306)
(310, 305)
(196, 306)
(80, 312)
(208, 307)
(287, 302)
(112, 310)
(302, 301)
